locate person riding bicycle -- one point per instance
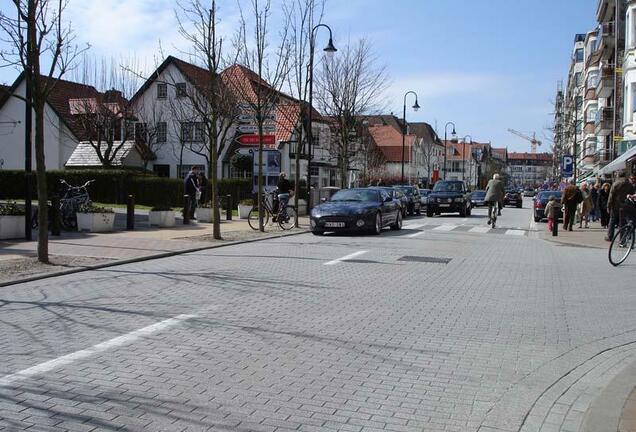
(284, 188)
(494, 194)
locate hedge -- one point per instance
(112, 186)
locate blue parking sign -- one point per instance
(567, 166)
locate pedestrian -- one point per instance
(617, 197)
(601, 204)
(552, 209)
(585, 206)
(191, 188)
(594, 191)
(494, 194)
(204, 189)
(569, 200)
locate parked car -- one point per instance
(477, 198)
(529, 192)
(368, 209)
(539, 202)
(412, 193)
(424, 197)
(513, 197)
(449, 196)
(404, 201)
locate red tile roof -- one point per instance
(389, 142)
(514, 156)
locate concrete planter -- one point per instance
(244, 211)
(162, 219)
(96, 222)
(204, 214)
(11, 227)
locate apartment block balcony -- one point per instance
(604, 121)
(605, 84)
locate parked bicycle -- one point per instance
(285, 216)
(624, 239)
(73, 197)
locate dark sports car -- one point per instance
(369, 209)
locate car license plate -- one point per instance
(444, 205)
(334, 224)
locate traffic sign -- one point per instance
(253, 139)
(567, 166)
(252, 129)
(251, 118)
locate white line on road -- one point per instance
(346, 257)
(95, 349)
(515, 232)
(445, 228)
(415, 226)
(419, 233)
(479, 229)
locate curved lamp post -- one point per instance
(416, 107)
(330, 49)
(453, 139)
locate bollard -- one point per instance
(228, 215)
(186, 210)
(555, 222)
(54, 217)
(130, 213)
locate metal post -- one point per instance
(130, 213)
(576, 115)
(228, 215)
(55, 215)
(186, 209)
(403, 136)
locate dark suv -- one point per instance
(413, 206)
(449, 196)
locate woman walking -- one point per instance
(585, 206)
(603, 197)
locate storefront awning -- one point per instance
(619, 163)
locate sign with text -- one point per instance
(251, 139)
(567, 166)
(270, 170)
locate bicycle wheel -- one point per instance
(287, 218)
(622, 244)
(252, 218)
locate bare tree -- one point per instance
(270, 64)
(350, 85)
(34, 36)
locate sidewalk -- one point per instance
(76, 250)
(593, 237)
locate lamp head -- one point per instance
(330, 49)
(416, 106)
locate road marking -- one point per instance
(515, 232)
(414, 226)
(416, 234)
(479, 229)
(445, 228)
(346, 257)
(95, 349)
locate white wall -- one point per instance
(59, 142)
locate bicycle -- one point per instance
(72, 199)
(623, 241)
(286, 216)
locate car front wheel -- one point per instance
(398, 223)
(377, 229)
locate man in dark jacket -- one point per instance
(191, 187)
(494, 194)
(570, 199)
(618, 194)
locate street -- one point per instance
(446, 325)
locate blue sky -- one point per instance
(487, 65)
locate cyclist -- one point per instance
(284, 187)
(494, 194)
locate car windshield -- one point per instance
(479, 194)
(355, 195)
(448, 187)
(544, 196)
(425, 192)
(407, 190)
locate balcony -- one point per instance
(604, 121)
(605, 84)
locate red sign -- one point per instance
(254, 139)
(435, 176)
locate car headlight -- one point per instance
(459, 199)
(315, 213)
(363, 211)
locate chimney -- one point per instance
(113, 95)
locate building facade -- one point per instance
(529, 170)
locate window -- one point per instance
(192, 132)
(592, 79)
(578, 55)
(183, 170)
(162, 132)
(578, 79)
(315, 171)
(456, 166)
(186, 132)
(591, 114)
(181, 89)
(633, 100)
(199, 132)
(162, 91)
(315, 136)
(579, 102)
(161, 170)
(141, 132)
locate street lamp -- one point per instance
(464, 156)
(416, 107)
(330, 49)
(453, 138)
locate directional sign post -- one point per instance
(567, 166)
(251, 139)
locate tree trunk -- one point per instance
(216, 210)
(40, 167)
(299, 140)
(261, 226)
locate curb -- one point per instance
(143, 258)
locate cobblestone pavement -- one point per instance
(443, 331)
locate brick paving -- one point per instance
(510, 334)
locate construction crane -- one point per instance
(534, 142)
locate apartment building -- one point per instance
(575, 92)
(529, 169)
